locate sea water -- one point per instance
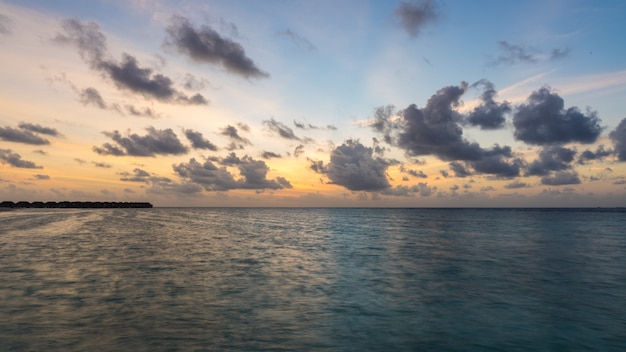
(206, 279)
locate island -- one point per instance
(67, 204)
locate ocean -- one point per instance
(239, 279)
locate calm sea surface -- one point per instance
(312, 280)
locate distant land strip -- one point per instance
(66, 204)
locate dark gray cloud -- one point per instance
(21, 135)
(281, 129)
(42, 177)
(543, 120)
(498, 161)
(127, 75)
(198, 141)
(91, 96)
(561, 178)
(551, 158)
(353, 166)
(436, 130)
(39, 129)
(489, 114)
(138, 175)
(414, 15)
(145, 112)
(415, 173)
(205, 45)
(5, 24)
(217, 178)
(309, 126)
(8, 157)
(298, 40)
(459, 169)
(433, 130)
(270, 155)
(618, 136)
(236, 141)
(516, 184)
(599, 154)
(161, 142)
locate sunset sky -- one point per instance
(314, 103)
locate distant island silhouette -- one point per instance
(67, 204)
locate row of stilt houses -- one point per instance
(66, 204)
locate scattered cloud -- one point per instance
(618, 136)
(551, 158)
(297, 40)
(198, 141)
(162, 142)
(489, 115)
(205, 45)
(543, 120)
(217, 178)
(27, 133)
(354, 167)
(561, 178)
(309, 126)
(7, 156)
(127, 75)
(237, 141)
(511, 54)
(415, 15)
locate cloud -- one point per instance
(270, 155)
(213, 178)
(237, 141)
(138, 175)
(459, 169)
(198, 141)
(42, 177)
(561, 178)
(5, 24)
(551, 158)
(13, 159)
(618, 136)
(39, 129)
(489, 115)
(281, 129)
(11, 134)
(353, 166)
(205, 45)
(91, 96)
(309, 126)
(511, 54)
(162, 142)
(599, 154)
(146, 112)
(298, 40)
(298, 150)
(127, 75)
(516, 184)
(413, 16)
(101, 165)
(542, 120)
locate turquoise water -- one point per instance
(203, 279)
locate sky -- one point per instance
(314, 103)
